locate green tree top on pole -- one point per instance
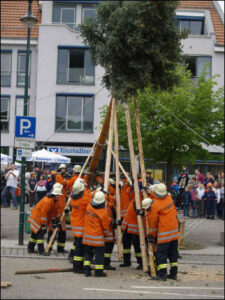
(137, 44)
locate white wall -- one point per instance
(7, 138)
(50, 36)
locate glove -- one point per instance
(106, 193)
(44, 228)
(56, 223)
(151, 239)
(140, 212)
(114, 224)
(67, 211)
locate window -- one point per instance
(196, 65)
(64, 15)
(74, 113)
(6, 65)
(20, 105)
(5, 150)
(21, 69)
(195, 25)
(75, 67)
(88, 12)
(4, 113)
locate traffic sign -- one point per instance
(24, 143)
(25, 127)
(24, 152)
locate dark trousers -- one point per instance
(37, 238)
(78, 255)
(128, 239)
(72, 250)
(99, 259)
(32, 199)
(210, 208)
(108, 253)
(61, 240)
(167, 250)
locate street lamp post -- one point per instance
(29, 21)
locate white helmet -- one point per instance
(62, 166)
(112, 181)
(160, 190)
(146, 203)
(78, 186)
(57, 189)
(99, 198)
(77, 168)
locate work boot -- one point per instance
(139, 267)
(125, 264)
(158, 278)
(44, 253)
(70, 259)
(108, 267)
(100, 273)
(87, 272)
(32, 251)
(172, 276)
(62, 251)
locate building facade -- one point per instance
(65, 87)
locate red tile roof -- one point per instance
(207, 5)
(11, 12)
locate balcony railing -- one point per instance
(75, 76)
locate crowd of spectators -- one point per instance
(199, 196)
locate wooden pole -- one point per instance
(109, 149)
(51, 270)
(68, 201)
(143, 176)
(122, 169)
(136, 189)
(118, 216)
(99, 146)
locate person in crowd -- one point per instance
(201, 201)
(186, 201)
(220, 177)
(149, 178)
(183, 180)
(209, 178)
(199, 176)
(27, 177)
(41, 188)
(216, 188)
(46, 174)
(221, 204)
(51, 181)
(11, 185)
(174, 190)
(210, 198)
(38, 172)
(41, 216)
(32, 182)
(18, 191)
(194, 201)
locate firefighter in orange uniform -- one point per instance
(61, 178)
(163, 225)
(41, 216)
(96, 228)
(79, 200)
(70, 182)
(124, 197)
(131, 233)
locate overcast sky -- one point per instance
(221, 4)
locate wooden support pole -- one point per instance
(99, 146)
(118, 216)
(51, 270)
(136, 189)
(109, 149)
(143, 176)
(68, 201)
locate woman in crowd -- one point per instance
(41, 188)
(32, 182)
(186, 201)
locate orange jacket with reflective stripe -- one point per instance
(130, 220)
(61, 207)
(124, 199)
(78, 213)
(96, 226)
(42, 213)
(71, 181)
(109, 206)
(163, 221)
(63, 181)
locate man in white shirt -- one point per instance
(11, 185)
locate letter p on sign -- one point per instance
(24, 125)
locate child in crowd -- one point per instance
(200, 193)
(186, 200)
(210, 198)
(194, 202)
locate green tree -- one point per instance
(175, 123)
(136, 42)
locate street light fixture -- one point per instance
(29, 21)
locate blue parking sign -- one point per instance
(25, 127)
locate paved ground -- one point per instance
(201, 272)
